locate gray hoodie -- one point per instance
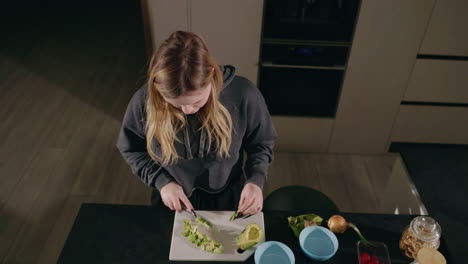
(196, 168)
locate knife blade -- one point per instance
(238, 215)
(192, 212)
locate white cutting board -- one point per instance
(223, 231)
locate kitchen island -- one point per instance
(111, 233)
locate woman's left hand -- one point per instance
(251, 200)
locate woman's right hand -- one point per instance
(173, 196)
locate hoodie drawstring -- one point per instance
(188, 149)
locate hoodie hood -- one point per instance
(229, 72)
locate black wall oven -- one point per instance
(331, 20)
(304, 52)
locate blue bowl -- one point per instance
(318, 243)
(273, 252)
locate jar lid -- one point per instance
(426, 228)
(427, 255)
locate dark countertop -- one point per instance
(104, 233)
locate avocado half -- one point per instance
(250, 236)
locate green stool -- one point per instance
(299, 198)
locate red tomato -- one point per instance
(373, 260)
(364, 258)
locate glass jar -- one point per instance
(423, 231)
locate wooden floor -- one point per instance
(65, 83)
(356, 183)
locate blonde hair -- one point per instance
(182, 63)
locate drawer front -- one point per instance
(431, 124)
(447, 31)
(443, 81)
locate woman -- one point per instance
(185, 132)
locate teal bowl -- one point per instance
(318, 243)
(273, 252)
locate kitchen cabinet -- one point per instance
(439, 81)
(430, 124)
(302, 134)
(434, 108)
(386, 42)
(435, 104)
(447, 31)
(165, 17)
(230, 28)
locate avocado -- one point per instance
(233, 216)
(202, 241)
(250, 236)
(204, 222)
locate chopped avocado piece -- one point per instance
(204, 222)
(209, 246)
(234, 215)
(218, 250)
(251, 236)
(202, 241)
(192, 237)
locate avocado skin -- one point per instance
(243, 241)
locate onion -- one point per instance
(337, 224)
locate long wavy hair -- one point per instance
(183, 63)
